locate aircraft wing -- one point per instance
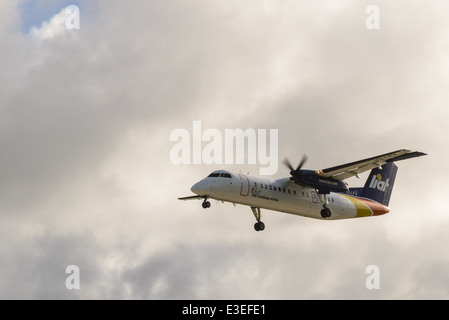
(192, 198)
(348, 170)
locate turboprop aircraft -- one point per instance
(320, 194)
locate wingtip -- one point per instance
(418, 153)
(422, 154)
(409, 155)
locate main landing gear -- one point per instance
(259, 225)
(325, 212)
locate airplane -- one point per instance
(321, 194)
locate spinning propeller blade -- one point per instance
(289, 165)
(295, 173)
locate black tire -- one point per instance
(206, 204)
(326, 213)
(259, 226)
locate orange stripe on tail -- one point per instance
(367, 208)
(377, 208)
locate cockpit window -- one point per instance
(219, 174)
(214, 175)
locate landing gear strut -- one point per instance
(325, 212)
(259, 225)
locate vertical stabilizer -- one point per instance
(380, 183)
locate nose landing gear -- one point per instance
(259, 226)
(205, 204)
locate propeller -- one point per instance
(295, 172)
(309, 178)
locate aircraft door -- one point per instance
(244, 183)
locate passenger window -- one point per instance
(294, 191)
(288, 190)
(283, 189)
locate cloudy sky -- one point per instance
(86, 115)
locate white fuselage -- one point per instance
(283, 195)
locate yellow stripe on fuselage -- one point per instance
(362, 209)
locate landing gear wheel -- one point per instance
(259, 226)
(206, 204)
(326, 212)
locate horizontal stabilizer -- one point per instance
(351, 169)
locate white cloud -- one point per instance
(55, 27)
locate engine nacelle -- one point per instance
(309, 178)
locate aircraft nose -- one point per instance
(195, 188)
(200, 188)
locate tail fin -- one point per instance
(379, 185)
(380, 182)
